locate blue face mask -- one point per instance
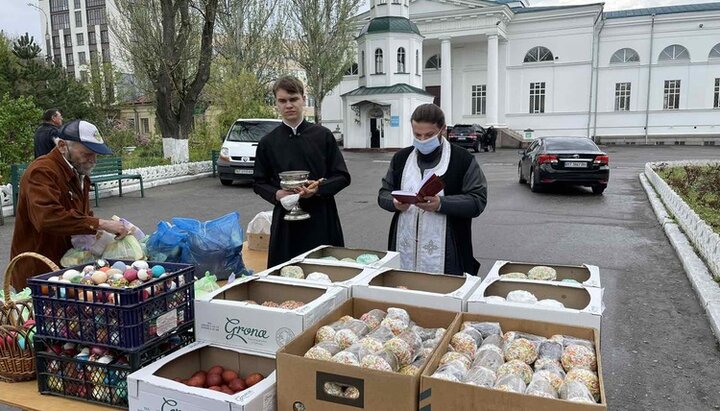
(427, 146)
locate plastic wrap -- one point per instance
(451, 356)
(587, 378)
(542, 273)
(325, 333)
(323, 351)
(567, 340)
(381, 333)
(486, 328)
(205, 285)
(373, 318)
(396, 324)
(550, 349)
(541, 387)
(521, 296)
(292, 271)
(75, 256)
(370, 343)
(578, 356)
(514, 276)
(521, 349)
(345, 338)
(510, 383)
(261, 223)
(414, 368)
(428, 333)
(575, 391)
(552, 377)
(450, 372)
(464, 343)
(495, 340)
(481, 377)
(516, 367)
(347, 358)
(381, 360)
(406, 346)
(126, 249)
(319, 277)
(489, 356)
(367, 259)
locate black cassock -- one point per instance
(314, 149)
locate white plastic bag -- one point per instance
(290, 201)
(260, 224)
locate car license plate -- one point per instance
(462, 138)
(243, 171)
(575, 164)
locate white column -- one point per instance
(446, 79)
(492, 81)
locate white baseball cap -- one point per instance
(85, 133)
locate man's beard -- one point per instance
(82, 170)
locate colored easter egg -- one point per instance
(119, 265)
(99, 277)
(88, 269)
(158, 270)
(143, 274)
(131, 275)
(140, 264)
(70, 274)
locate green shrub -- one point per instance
(18, 120)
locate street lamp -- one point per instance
(48, 45)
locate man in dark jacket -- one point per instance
(46, 135)
(491, 137)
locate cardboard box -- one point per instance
(341, 275)
(153, 389)
(441, 291)
(301, 380)
(440, 394)
(258, 242)
(583, 305)
(387, 258)
(586, 274)
(222, 317)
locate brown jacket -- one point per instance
(51, 208)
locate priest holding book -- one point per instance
(434, 189)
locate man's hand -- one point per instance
(309, 190)
(431, 204)
(400, 206)
(282, 193)
(115, 227)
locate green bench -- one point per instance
(106, 169)
(215, 154)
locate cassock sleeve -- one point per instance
(472, 201)
(263, 173)
(337, 177)
(385, 199)
(46, 212)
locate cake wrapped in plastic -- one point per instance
(542, 273)
(587, 378)
(347, 358)
(541, 387)
(495, 339)
(568, 340)
(489, 356)
(413, 368)
(486, 328)
(521, 349)
(550, 349)
(373, 318)
(319, 277)
(323, 351)
(461, 358)
(481, 377)
(292, 271)
(464, 343)
(381, 360)
(575, 391)
(450, 372)
(516, 367)
(325, 333)
(510, 383)
(367, 259)
(521, 296)
(514, 276)
(578, 356)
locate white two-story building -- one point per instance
(628, 77)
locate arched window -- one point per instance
(625, 55)
(715, 52)
(401, 60)
(362, 63)
(433, 63)
(537, 54)
(417, 61)
(352, 70)
(378, 61)
(675, 52)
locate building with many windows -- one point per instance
(628, 77)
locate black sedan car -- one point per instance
(564, 160)
(468, 136)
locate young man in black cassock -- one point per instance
(434, 235)
(298, 145)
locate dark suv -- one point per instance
(468, 136)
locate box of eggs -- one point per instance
(205, 377)
(119, 304)
(351, 256)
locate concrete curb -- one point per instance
(697, 272)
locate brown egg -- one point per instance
(201, 376)
(229, 375)
(253, 379)
(226, 390)
(215, 388)
(216, 370)
(213, 380)
(195, 382)
(237, 385)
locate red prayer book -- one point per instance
(431, 185)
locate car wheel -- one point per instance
(475, 147)
(521, 179)
(226, 182)
(598, 189)
(534, 185)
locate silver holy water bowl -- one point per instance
(291, 180)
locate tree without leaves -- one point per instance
(322, 43)
(170, 43)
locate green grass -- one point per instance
(699, 187)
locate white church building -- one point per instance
(627, 77)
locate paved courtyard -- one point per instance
(658, 350)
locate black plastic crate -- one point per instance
(123, 318)
(94, 381)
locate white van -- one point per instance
(237, 155)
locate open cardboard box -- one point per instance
(442, 291)
(301, 380)
(153, 387)
(223, 318)
(586, 274)
(341, 275)
(583, 305)
(387, 258)
(438, 394)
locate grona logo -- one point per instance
(234, 329)
(169, 405)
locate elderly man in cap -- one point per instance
(54, 200)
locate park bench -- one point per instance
(106, 169)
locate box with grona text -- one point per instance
(262, 314)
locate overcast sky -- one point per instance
(17, 17)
